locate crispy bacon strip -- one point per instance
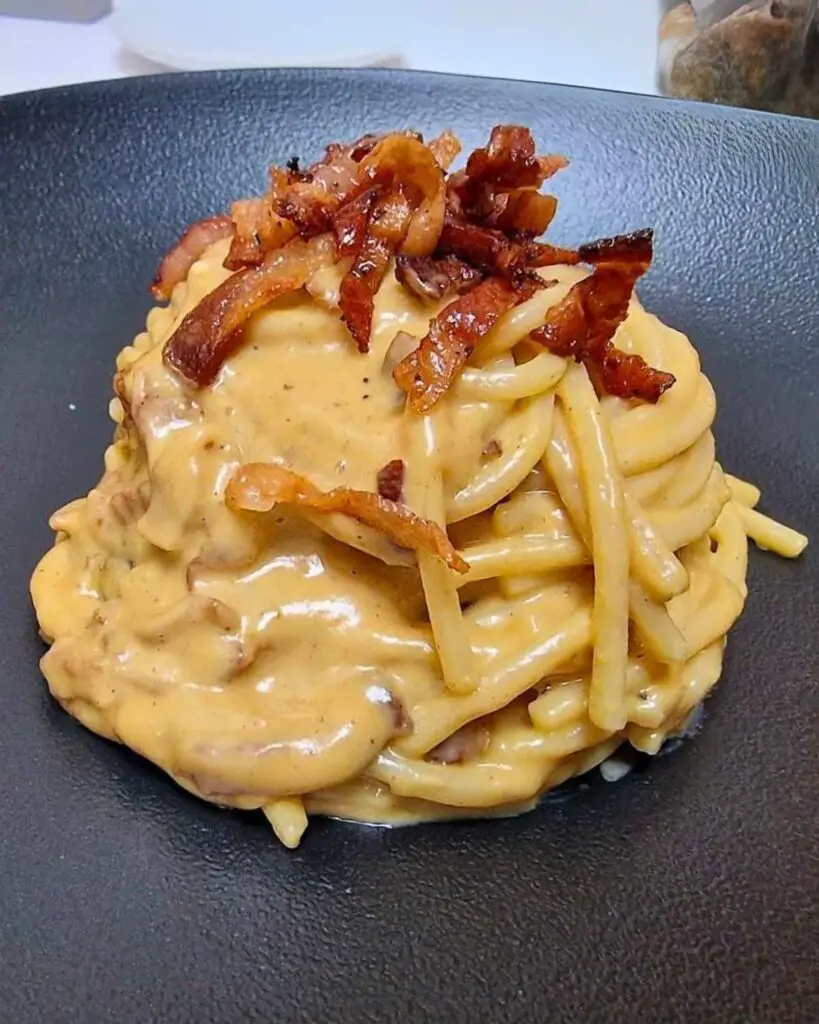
(351, 221)
(433, 280)
(297, 202)
(259, 487)
(498, 189)
(190, 247)
(550, 164)
(361, 147)
(493, 251)
(246, 248)
(522, 210)
(584, 323)
(479, 246)
(541, 254)
(428, 222)
(630, 376)
(632, 254)
(403, 178)
(210, 332)
(258, 229)
(429, 371)
(389, 196)
(310, 198)
(391, 480)
(386, 225)
(402, 162)
(445, 148)
(509, 160)
(426, 225)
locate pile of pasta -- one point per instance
(408, 514)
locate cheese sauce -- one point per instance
(251, 657)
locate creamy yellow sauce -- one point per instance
(250, 658)
(257, 658)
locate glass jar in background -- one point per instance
(763, 54)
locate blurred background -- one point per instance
(605, 43)
(755, 53)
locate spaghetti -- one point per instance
(289, 639)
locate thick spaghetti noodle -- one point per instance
(273, 641)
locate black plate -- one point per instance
(687, 893)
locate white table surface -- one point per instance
(609, 44)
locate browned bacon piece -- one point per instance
(583, 324)
(433, 280)
(386, 226)
(541, 254)
(246, 248)
(494, 206)
(311, 201)
(508, 164)
(479, 246)
(550, 164)
(630, 376)
(404, 207)
(351, 221)
(258, 229)
(297, 202)
(310, 198)
(493, 251)
(391, 480)
(631, 253)
(402, 162)
(445, 148)
(361, 147)
(470, 234)
(524, 211)
(259, 487)
(509, 160)
(429, 371)
(190, 247)
(426, 225)
(211, 331)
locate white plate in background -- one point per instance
(195, 35)
(609, 44)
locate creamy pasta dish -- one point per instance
(409, 514)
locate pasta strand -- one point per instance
(605, 505)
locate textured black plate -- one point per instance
(687, 893)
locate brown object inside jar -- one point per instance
(763, 55)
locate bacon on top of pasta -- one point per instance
(470, 234)
(403, 518)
